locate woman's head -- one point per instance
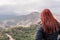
(49, 23)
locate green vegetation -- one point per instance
(20, 33)
(3, 36)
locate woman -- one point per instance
(49, 29)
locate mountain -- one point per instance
(7, 21)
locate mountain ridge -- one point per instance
(7, 21)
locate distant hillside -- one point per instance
(23, 20)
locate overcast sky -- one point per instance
(21, 7)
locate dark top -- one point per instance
(45, 36)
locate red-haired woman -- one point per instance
(49, 29)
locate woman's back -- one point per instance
(50, 26)
(41, 35)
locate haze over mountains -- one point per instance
(7, 21)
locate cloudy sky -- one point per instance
(22, 7)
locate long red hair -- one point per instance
(49, 23)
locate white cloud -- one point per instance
(15, 2)
(27, 6)
(7, 2)
(57, 0)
